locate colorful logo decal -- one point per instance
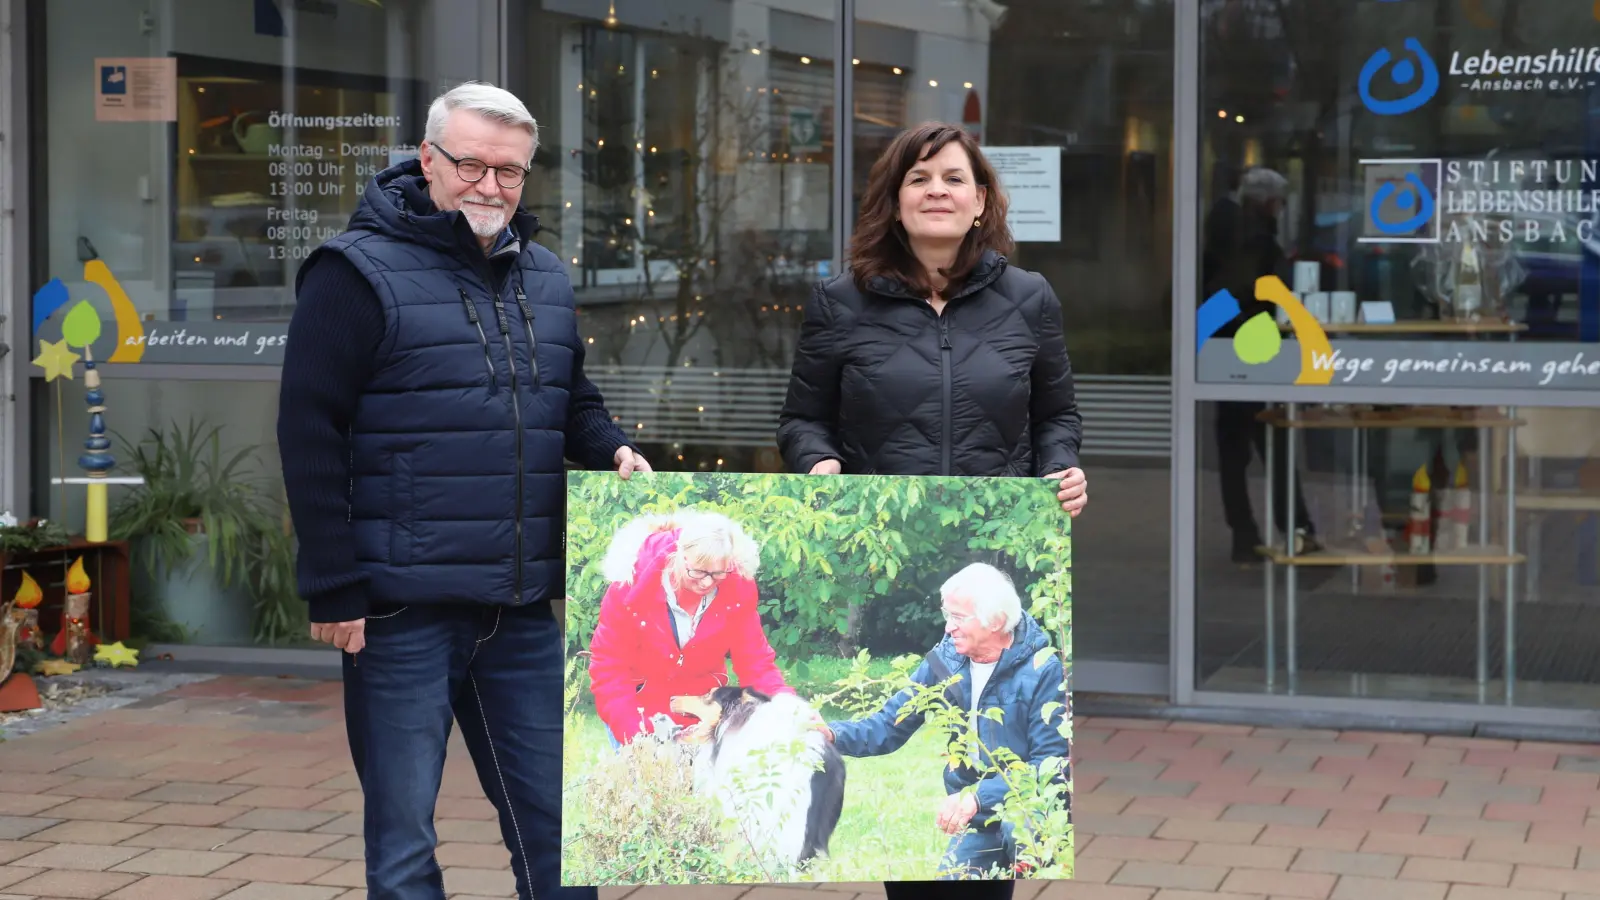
(1403, 72)
(1258, 340)
(130, 331)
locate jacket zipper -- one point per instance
(533, 342)
(945, 401)
(516, 418)
(350, 486)
(472, 316)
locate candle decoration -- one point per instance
(75, 640)
(25, 604)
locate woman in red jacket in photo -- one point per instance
(682, 600)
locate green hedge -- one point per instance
(847, 562)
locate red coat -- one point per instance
(636, 663)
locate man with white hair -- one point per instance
(991, 643)
(432, 388)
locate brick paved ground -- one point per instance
(240, 788)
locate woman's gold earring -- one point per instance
(977, 223)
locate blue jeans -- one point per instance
(977, 851)
(497, 671)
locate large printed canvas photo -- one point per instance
(786, 678)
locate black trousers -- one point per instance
(949, 890)
(1240, 437)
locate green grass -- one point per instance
(887, 831)
(820, 675)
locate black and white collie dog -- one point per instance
(769, 768)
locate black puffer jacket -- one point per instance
(884, 385)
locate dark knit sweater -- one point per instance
(328, 360)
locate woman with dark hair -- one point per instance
(933, 356)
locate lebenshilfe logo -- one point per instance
(1448, 201)
(1402, 201)
(1418, 70)
(1392, 85)
(1411, 197)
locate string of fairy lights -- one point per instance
(591, 97)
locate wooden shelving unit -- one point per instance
(109, 566)
(1408, 418)
(1335, 556)
(1296, 420)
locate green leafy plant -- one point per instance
(32, 536)
(1037, 802)
(634, 816)
(833, 548)
(192, 487)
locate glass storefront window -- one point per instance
(1073, 104)
(1420, 175)
(176, 425)
(195, 151)
(1401, 196)
(1438, 549)
(685, 175)
(198, 150)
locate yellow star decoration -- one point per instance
(116, 655)
(56, 667)
(56, 360)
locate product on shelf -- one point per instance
(1417, 530)
(1455, 514)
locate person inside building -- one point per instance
(1242, 245)
(433, 386)
(932, 355)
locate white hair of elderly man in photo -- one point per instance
(994, 597)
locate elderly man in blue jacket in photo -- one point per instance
(433, 388)
(990, 643)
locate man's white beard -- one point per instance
(486, 221)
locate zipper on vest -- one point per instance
(350, 486)
(516, 418)
(533, 342)
(472, 316)
(945, 353)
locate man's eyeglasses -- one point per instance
(702, 574)
(956, 619)
(472, 170)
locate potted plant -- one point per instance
(216, 553)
